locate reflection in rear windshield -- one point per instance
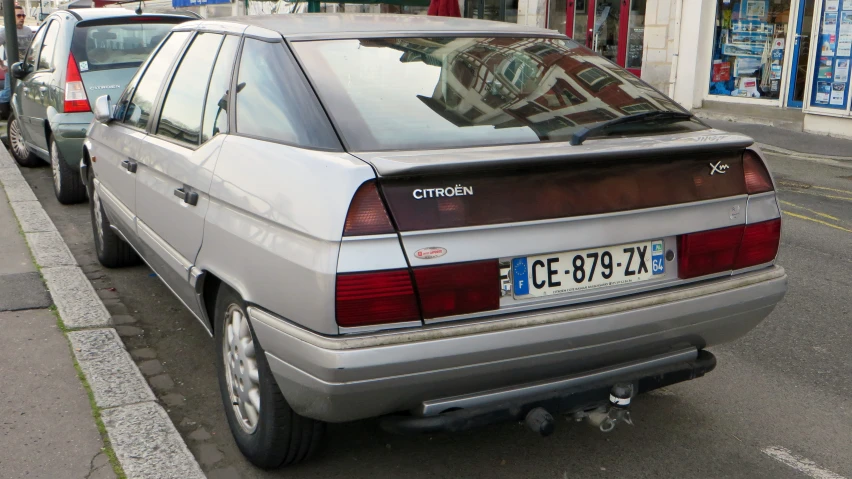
(413, 93)
(101, 47)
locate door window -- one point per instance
(182, 107)
(45, 58)
(35, 47)
(140, 107)
(274, 103)
(216, 105)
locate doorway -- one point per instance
(615, 29)
(801, 51)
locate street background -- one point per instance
(784, 387)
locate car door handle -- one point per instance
(188, 197)
(129, 165)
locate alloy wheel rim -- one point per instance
(99, 220)
(54, 165)
(16, 140)
(241, 368)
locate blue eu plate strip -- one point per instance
(520, 276)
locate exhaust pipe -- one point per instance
(540, 422)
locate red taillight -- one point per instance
(708, 252)
(462, 288)
(367, 214)
(760, 244)
(726, 249)
(363, 299)
(76, 100)
(757, 178)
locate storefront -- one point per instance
(613, 28)
(785, 53)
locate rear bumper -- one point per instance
(339, 379)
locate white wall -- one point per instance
(532, 13)
(689, 38)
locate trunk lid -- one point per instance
(620, 204)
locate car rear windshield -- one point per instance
(124, 43)
(450, 92)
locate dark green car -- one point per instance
(75, 57)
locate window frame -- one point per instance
(41, 49)
(154, 122)
(37, 42)
(169, 73)
(231, 119)
(297, 75)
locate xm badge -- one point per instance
(718, 167)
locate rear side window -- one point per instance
(35, 46)
(106, 45)
(140, 107)
(181, 116)
(45, 58)
(273, 101)
(216, 105)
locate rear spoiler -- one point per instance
(425, 162)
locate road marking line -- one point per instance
(808, 218)
(799, 463)
(808, 209)
(819, 195)
(831, 189)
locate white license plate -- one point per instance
(572, 271)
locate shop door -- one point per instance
(801, 51)
(615, 29)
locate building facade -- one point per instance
(792, 54)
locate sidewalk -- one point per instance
(78, 410)
(791, 141)
(46, 424)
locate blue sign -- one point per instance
(196, 3)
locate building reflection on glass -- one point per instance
(544, 84)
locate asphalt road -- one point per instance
(778, 405)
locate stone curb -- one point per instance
(75, 298)
(145, 441)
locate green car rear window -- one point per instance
(106, 46)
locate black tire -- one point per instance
(67, 185)
(281, 436)
(20, 151)
(112, 251)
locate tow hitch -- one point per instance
(606, 418)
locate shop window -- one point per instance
(830, 87)
(748, 48)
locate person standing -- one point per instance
(25, 37)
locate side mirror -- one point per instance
(20, 70)
(103, 110)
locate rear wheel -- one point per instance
(20, 151)
(112, 251)
(265, 428)
(67, 186)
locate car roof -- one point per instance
(348, 25)
(98, 13)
